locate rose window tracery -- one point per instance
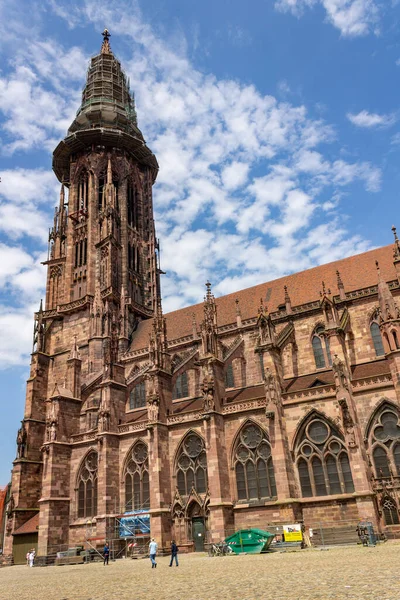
(87, 486)
(254, 468)
(385, 441)
(322, 460)
(192, 466)
(137, 486)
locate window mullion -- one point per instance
(311, 474)
(325, 470)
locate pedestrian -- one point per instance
(174, 554)
(27, 558)
(153, 551)
(32, 557)
(106, 553)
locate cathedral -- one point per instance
(278, 404)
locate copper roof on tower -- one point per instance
(106, 116)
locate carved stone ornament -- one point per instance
(21, 441)
(339, 372)
(207, 389)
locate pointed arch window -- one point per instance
(321, 348)
(254, 469)
(385, 442)
(137, 487)
(377, 338)
(181, 388)
(322, 460)
(87, 487)
(390, 511)
(137, 397)
(191, 469)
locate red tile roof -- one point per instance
(30, 526)
(357, 272)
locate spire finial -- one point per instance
(237, 306)
(288, 302)
(396, 249)
(340, 285)
(287, 298)
(105, 47)
(208, 293)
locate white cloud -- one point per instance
(235, 175)
(16, 330)
(370, 120)
(237, 195)
(352, 17)
(21, 272)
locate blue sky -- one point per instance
(276, 124)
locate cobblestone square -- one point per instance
(336, 573)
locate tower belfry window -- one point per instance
(101, 192)
(83, 191)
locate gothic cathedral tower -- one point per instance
(102, 279)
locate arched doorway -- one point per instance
(197, 524)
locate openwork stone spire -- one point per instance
(106, 117)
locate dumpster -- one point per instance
(251, 541)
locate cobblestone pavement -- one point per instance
(337, 573)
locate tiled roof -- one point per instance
(357, 272)
(30, 526)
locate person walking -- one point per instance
(153, 551)
(106, 554)
(27, 558)
(174, 554)
(32, 557)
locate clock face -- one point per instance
(193, 446)
(252, 436)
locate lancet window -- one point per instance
(81, 253)
(191, 466)
(321, 348)
(137, 489)
(83, 191)
(101, 184)
(254, 469)
(376, 336)
(137, 398)
(229, 376)
(385, 442)
(322, 460)
(132, 205)
(181, 388)
(87, 487)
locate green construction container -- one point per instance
(251, 541)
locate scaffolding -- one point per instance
(127, 533)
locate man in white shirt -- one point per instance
(153, 551)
